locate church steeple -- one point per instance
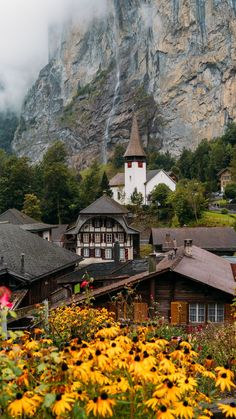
(135, 148)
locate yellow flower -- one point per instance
(100, 406)
(165, 413)
(63, 404)
(23, 405)
(224, 382)
(187, 384)
(168, 390)
(229, 410)
(183, 410)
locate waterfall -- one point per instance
(116, 90)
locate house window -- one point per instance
(108, 223)
(86, 238)
(97, 253)
(140, 164)
(216, 313)
(86, 252)
(120, 237)
(118, 196)
(97, 238)
(97, 223)
(108, 253)
(122, 254)
(129, 164)
(109, 238)
(196, 313)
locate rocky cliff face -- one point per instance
(174, 60)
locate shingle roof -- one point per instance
(209, 238)
(105, 205)
(119, 178)
(41, 257)
(16, 217)
(135, 148)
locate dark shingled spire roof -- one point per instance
(135, 148)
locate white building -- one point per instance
(136, 176)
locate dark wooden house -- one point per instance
(30, 266)
(99, 227)
(189, 286)
(218, 240)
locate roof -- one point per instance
(105, 205)
(203, 267)
(135, 148)
(16, 217)
(40, 256)
(209, 238)
(223, 170)
(119, 178)
(58, 232)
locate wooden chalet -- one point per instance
(218, 240)
(98, 228)
(188, 286)
(30, 266)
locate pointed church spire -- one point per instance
(135, 148)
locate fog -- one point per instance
(24, 40)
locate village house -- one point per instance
(225, 178)
(30, 266)
(101, 228)
(187, 286)
(136, 177)
(218, 240)
(27, 223)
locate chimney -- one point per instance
(22, 263)
(152, 263)
(188, 247)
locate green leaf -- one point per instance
(12, 314)
(78, 412)
(49, 399)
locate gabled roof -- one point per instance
(40, 256)
(223, 170)
(208, 238)
(119, 178)
(16, 217)
(105, 206)
(135, 148)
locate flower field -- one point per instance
(102, 369)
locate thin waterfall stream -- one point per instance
(116, 91)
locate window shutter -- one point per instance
(82, 252)
(93, 222)
(103, 253)
(126, 254)
(105, 239)
(228, 315)
(81, 238)
(92, 253)
(179, 312)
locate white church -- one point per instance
(136, 176)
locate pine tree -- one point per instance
(104, 185)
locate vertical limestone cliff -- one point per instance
(173, 60)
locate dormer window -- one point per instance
(129, 164)
(140, 164)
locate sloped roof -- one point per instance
(41, 257)
(135, 148)
(105, 205)
(117, 180)
(209, 238)
(17, 217)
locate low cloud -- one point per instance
(24, 40)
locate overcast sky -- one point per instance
(23, 40)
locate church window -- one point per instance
(140, 164)
(97, 238)
(86, 238)
(130, 178)
(109, 238)
(129, 164)
(118, 195)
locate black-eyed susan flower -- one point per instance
(224, 381)
(187, 384)
(101, 406)
(184, 410)
(229, 410)
(164, 413)
(22, 405)
(63, 403)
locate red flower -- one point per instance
(84, 284)
(5, 295)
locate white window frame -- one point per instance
(121, 237)
(215, 313)
(97, 238)
(198, 316)
(122, 253)
(85, 237)
(108, 254)
(109, 238)
(97, 252)
(86, 250)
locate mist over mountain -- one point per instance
(173, 61)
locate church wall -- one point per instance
(135, 177)
(160, 177)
